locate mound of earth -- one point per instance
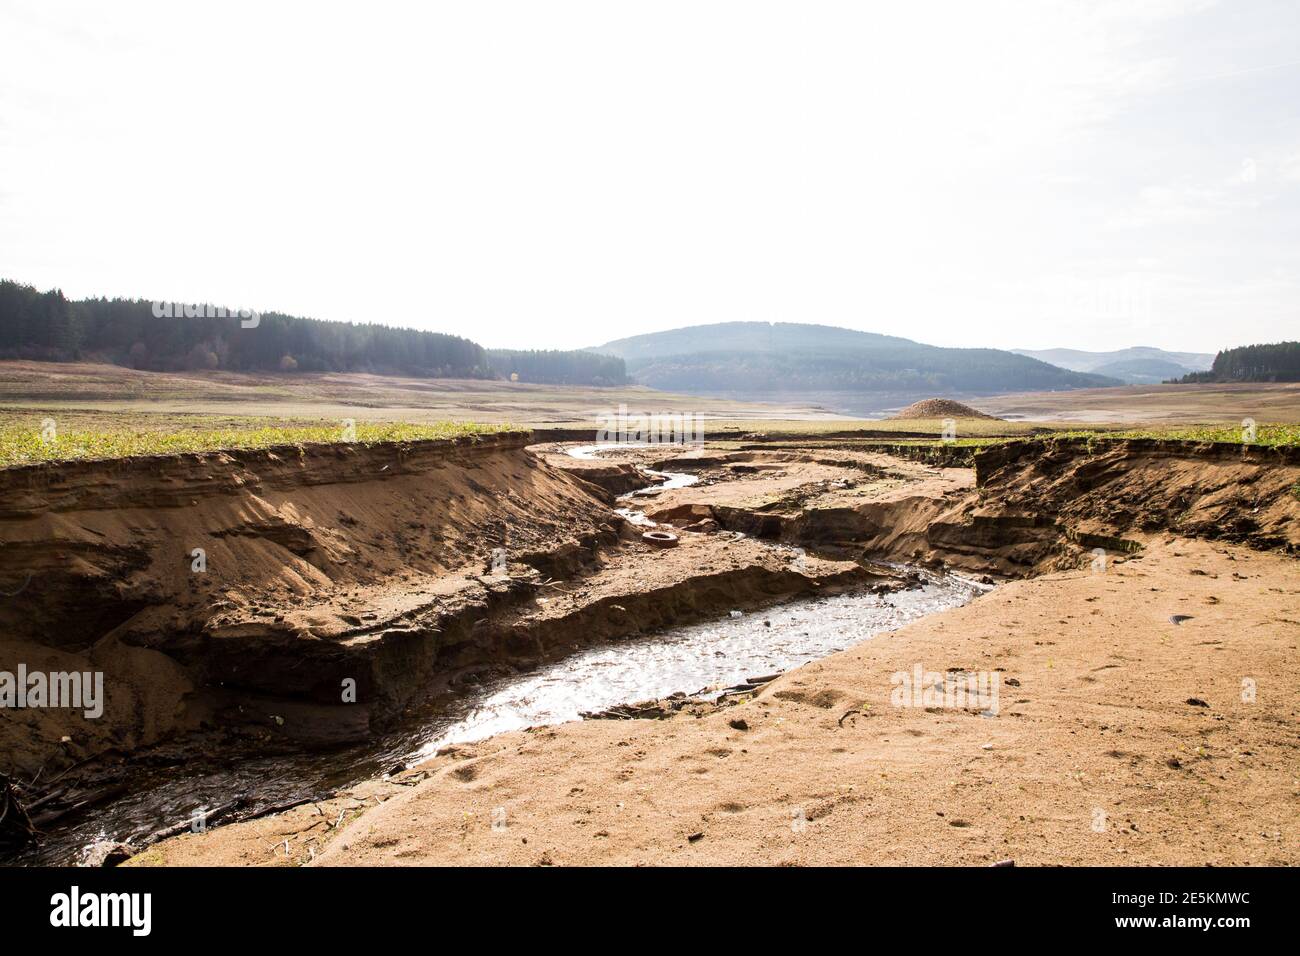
(941, 408)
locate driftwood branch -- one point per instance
(16, 827)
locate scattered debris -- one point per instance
(15, 827)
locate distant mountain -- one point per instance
(860, 372)
(1140, 365)
(1142, 371)
(1277, 362)
(747, 337)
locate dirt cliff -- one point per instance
(201, 583)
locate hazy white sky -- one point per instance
(558, 174)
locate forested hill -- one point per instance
(46, 326)
(733, 357)
(738, 337)
(1277, 362)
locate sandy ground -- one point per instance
(1167, 404)
(1097, 755)
(797, 480)
(66, 388)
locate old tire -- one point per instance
(660, 539)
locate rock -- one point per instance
(1197, 702)
(108, 853)
(738, 723)
(707, 526)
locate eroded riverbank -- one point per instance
(757, 527)
(520, 662)
(699, 660)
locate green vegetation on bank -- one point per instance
(1267, 436)
(26, 435)
(985, 431)
(23, 444)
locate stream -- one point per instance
(703, 657)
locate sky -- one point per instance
(556, 175)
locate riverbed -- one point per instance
(695, 659)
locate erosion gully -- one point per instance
(702, 659)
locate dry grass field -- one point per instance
(54, 411)
(74, 388)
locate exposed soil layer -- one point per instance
(1238, 493)
(1026, 507)
(407, 568)
(313, 566)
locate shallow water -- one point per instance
(672, 479)
(690, 659)
(699, 657)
